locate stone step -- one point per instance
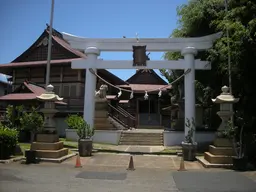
(222, 142)
(141, 134)
(217, 159)
(54, 154)
(221, 150)
(141, 139)
(47, 138)
(135, 138)
(47, 146)
(149, 127)
(141, 143)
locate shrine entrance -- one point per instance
(188, 47)
(148, 113)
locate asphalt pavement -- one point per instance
(49, 177)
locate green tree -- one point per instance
(204, 17)
(32, 121)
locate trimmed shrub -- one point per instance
(74, 121)
(8, 141)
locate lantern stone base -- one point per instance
(101, 121)
(219, 155)
(49, 146)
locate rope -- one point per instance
(130, 91)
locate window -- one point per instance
(69, 90)
(147, 106)
(65, 91)
(72, 91)
(82, 91)
(57, 89)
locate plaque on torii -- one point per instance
(139, 55)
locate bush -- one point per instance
(9, 140)
(83, 129)
(74, 121)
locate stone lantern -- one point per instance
(221, 151)
(47, 145)
(226, 100)
(49, 98)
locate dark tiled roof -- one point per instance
(64, 44)
(58, 38)
(32, 63)
(134, 78)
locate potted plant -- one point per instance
(236, 136)
(73, 122)
(189, 147)
(33, 122)
(85, 133)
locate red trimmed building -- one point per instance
(28, 72)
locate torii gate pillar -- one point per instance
(190, 113)
(90, 86)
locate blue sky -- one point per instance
(23, 21)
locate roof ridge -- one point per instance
(54, 31)
(33, 83)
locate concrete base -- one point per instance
(222, 142)
(206, 164)
(51, 153)
(218, 159)
(46, 146)
(107, 136)
(58, 160)
(220, 153)
(174, 138)
(49, 146)
(71, 135)
(47, 138)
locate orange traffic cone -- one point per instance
(131, 165)
(78, 162)
(182, 165)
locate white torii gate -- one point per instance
(187, 46)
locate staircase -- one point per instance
(141, 138)
(121, 117)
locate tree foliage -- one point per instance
(205, 17)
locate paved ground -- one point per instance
(107, 173)
(140, 149)
(140, 161)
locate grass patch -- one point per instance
(74, 144)
(170, 151)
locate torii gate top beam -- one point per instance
(153, 44)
